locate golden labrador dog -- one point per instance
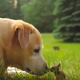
(20, 46)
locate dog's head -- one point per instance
(26, 48)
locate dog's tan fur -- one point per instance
(18, 40)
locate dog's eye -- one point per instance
(36, 50)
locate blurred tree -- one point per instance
(24, 1)
(10, 9)
(67, 20)
(39, 13)
(17, 10)
(5, 8)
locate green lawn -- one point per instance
(68, 55)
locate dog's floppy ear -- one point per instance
(23, 35)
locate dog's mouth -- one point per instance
(29, 71)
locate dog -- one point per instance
(20, 47)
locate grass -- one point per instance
(68, 55)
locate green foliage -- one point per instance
(39, 13)
(68, 18)
(60, 16)
(8, 8)
(36, 12)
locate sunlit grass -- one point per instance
(68, 55)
